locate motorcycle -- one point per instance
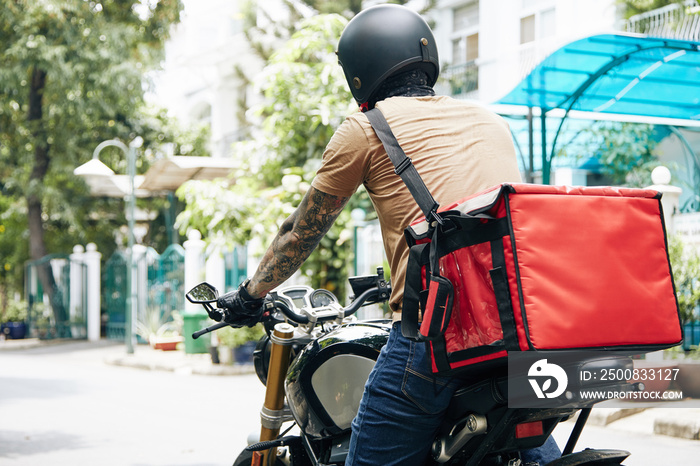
(314, 361)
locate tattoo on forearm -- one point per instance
(296, 240)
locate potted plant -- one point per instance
(42, 321)
(162, 330)
(236, 345)
(14, 317)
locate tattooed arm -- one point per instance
(296, 240)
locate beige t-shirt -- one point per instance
(458, 147)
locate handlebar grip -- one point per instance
(360, 300)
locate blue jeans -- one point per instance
(403, 406)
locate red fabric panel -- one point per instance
(428, 313)
(608, 191)
(469, 362)
(514, 294)
(597, 275)
(475, 320)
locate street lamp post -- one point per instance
(95, 169)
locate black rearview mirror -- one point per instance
(202, 293)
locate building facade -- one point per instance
(207, 63)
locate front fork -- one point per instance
(272, 412)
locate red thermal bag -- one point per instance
(523, 267)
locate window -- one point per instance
(462, 75)
(458, 51)
(538, 26)
(548, 24)
(527, 29)
(472, 47)
(465, 49)
(465, 17)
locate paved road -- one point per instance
(647, 449)
(61, 405)
(64, 407)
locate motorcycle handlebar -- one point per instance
(289, 313)
(357, 303)
(353, 307)
(347, 311)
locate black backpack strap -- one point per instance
(403, 166)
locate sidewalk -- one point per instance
(144, 357)
(680, 421)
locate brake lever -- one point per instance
(204, 331)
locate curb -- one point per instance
(182, 368)
(680, 428)
(29, 343)
(604, 416)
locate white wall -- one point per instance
(199, 69)
(503, 61)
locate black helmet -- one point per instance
(381, 41)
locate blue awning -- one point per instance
(622, 76)
(618, 74)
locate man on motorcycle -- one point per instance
(390, 60)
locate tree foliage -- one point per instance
(626, 151)
(635, 7)
(305, 99)
(72, 76)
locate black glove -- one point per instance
(239, 308)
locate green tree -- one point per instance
(635, 7)
(626, 151)
(72, 76)
(265, 34)
(305, 99)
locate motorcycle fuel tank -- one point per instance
(325, 382)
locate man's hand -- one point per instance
(240, 309)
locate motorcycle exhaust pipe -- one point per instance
(444, 448)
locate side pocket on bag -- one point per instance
(414, 296)
(438, 308)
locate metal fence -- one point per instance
(114, 296)
(165, 292)
(236, 267)
(673, 21)
(691, 335)
(460, 80)
(158, 284)
(56, 293)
